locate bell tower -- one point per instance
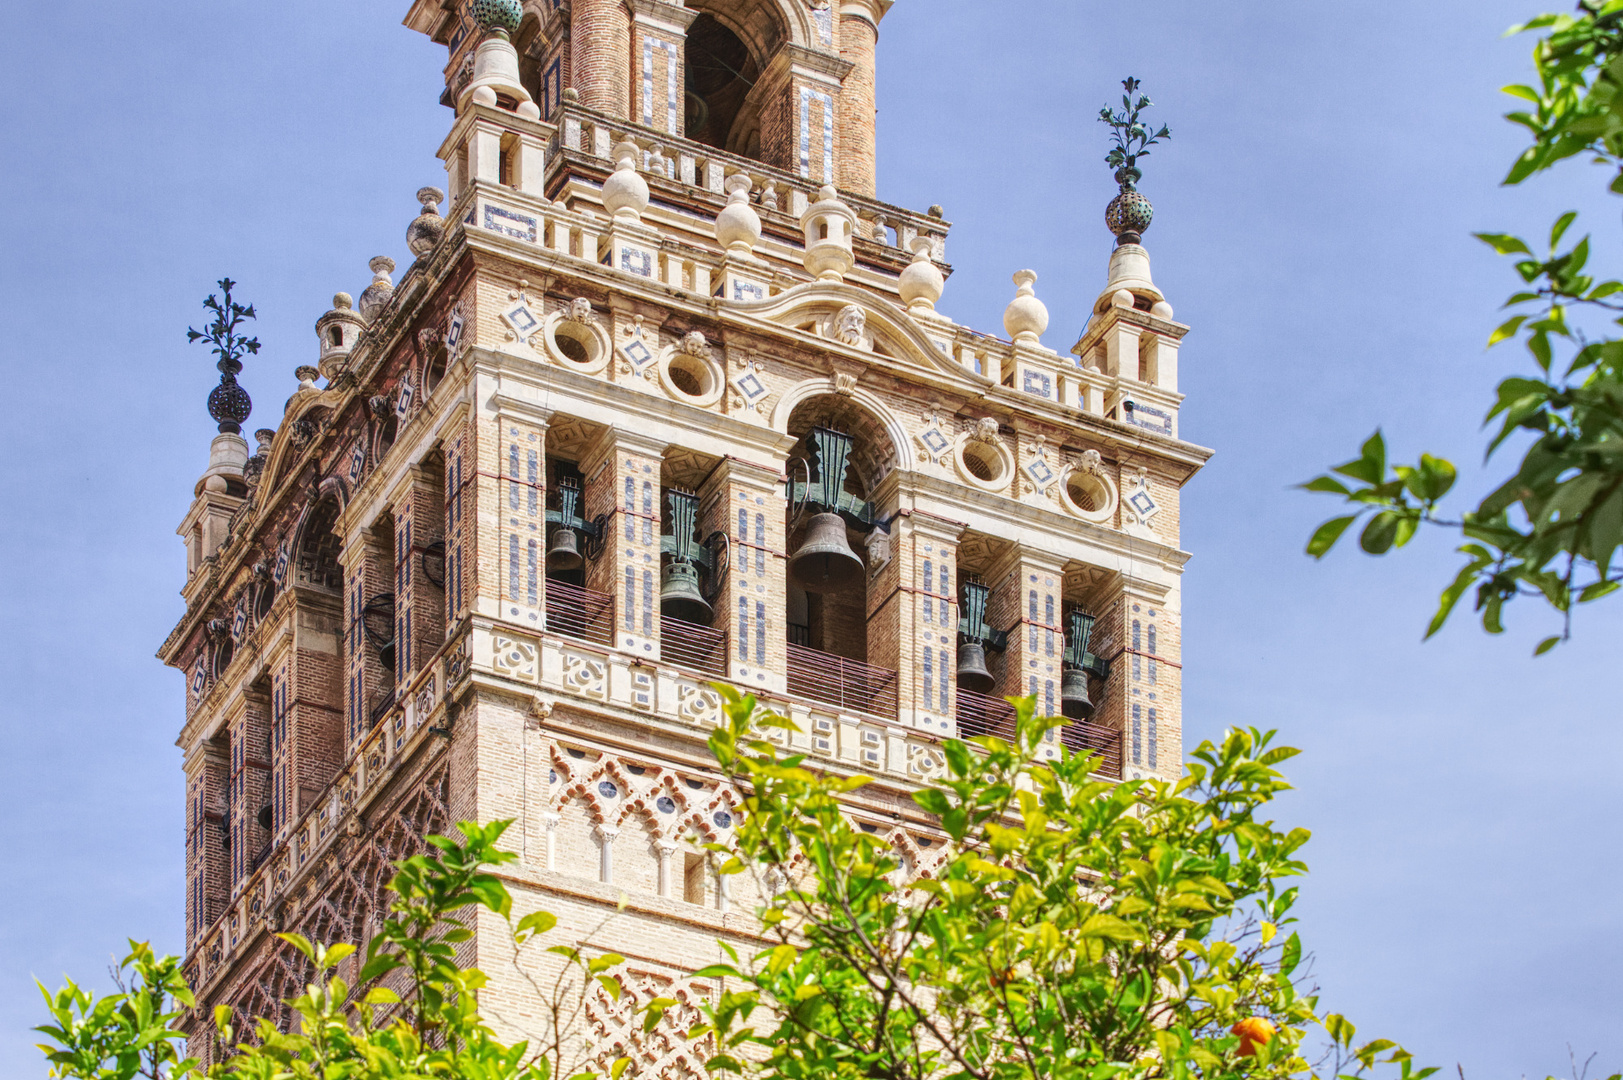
(665, 397)
(788, 83)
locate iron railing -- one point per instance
(979, 715)
(1081, 737)
(697, 648)
(580, 613)
(848, 685)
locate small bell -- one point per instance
(680, 596)
(565, 552)
(1074, 701)
(824, 562)
(972, 673)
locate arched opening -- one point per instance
(721, 71)
(319, 548)
(835, 532)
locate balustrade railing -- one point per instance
(696, 648)
(848, 685)
(979, 715)
(580, 613)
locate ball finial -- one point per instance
(1130, 213)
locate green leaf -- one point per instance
(1324, 538)
(1327, 484)
(1381, 533)
(1507, 329)
(1546, 645)
(1598, 590)
(1561, 225)
(1504, 243)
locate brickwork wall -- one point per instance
(746, 502)
(419, 603)
(657, 80)
(250, 783)
(600, 34)
(856, 155)
(522, 543)
(1026, 600)
(369, 574)
(623, 483)
(316, 711)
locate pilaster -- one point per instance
(746, 501)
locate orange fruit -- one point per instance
(1253, 1031)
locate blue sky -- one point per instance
(1313, 215)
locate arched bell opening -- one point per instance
(986, 614)
(728, 47)
(842, 454)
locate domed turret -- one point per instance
(829, 226)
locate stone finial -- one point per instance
(922, 282)
(738, 226)
(307, 376)
(625, 192)
(424, 233)
(1026, 317)
(378, 294)
(495, 61)
(829, 225)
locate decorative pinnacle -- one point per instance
(229, 403)
(494, 16)
(1130, 213)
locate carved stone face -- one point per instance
(694, 344)
(580, 310)
(850, 324)
(985, 430)
(1092, 462)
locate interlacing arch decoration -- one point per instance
(356, 896)
(664, 1053)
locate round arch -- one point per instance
(801, 393)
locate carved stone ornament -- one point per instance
(378, 405)
(540, 711)
(850, 326)
(580, 311)
(1091, 462)
(693, 344)
(985, 431)
(845, 384)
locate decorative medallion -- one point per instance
(608, 790)
(933, 439)
(357, 462)
(1141, 503)
(750, 386)
(523, 321)
(408, 394)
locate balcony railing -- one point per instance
(979, 715)
(848, 685)
(1081, 737)
(580, 613)
(696, 648)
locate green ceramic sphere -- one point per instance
(497, 14)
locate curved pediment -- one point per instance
(855, 319)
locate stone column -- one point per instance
(623, 484)
(857, 159)
(745, 500)
(600, 41)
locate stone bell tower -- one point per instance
(666, 397)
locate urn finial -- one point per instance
(1130, 213)
(229, 403)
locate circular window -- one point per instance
(607, 790)
(578, 346)
(690, 378)
(224, 652)
(986, 465)
(666, 804)
(1089, 495)
(723, 819)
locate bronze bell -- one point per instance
(825, 563)
(1074, 701)
(680, 596)
(565, 552)
(972, 673)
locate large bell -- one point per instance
(825, 563)
(1074, 701)
(972, 673)
(680, 596)
(565, 552)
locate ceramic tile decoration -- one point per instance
(748, 291)
(519, 226)
(808, 97)
(1146, 417)
(633, 261)
(523, 321)
(453, 330)
(639, 354)
(1037, 382)
(672, 96)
